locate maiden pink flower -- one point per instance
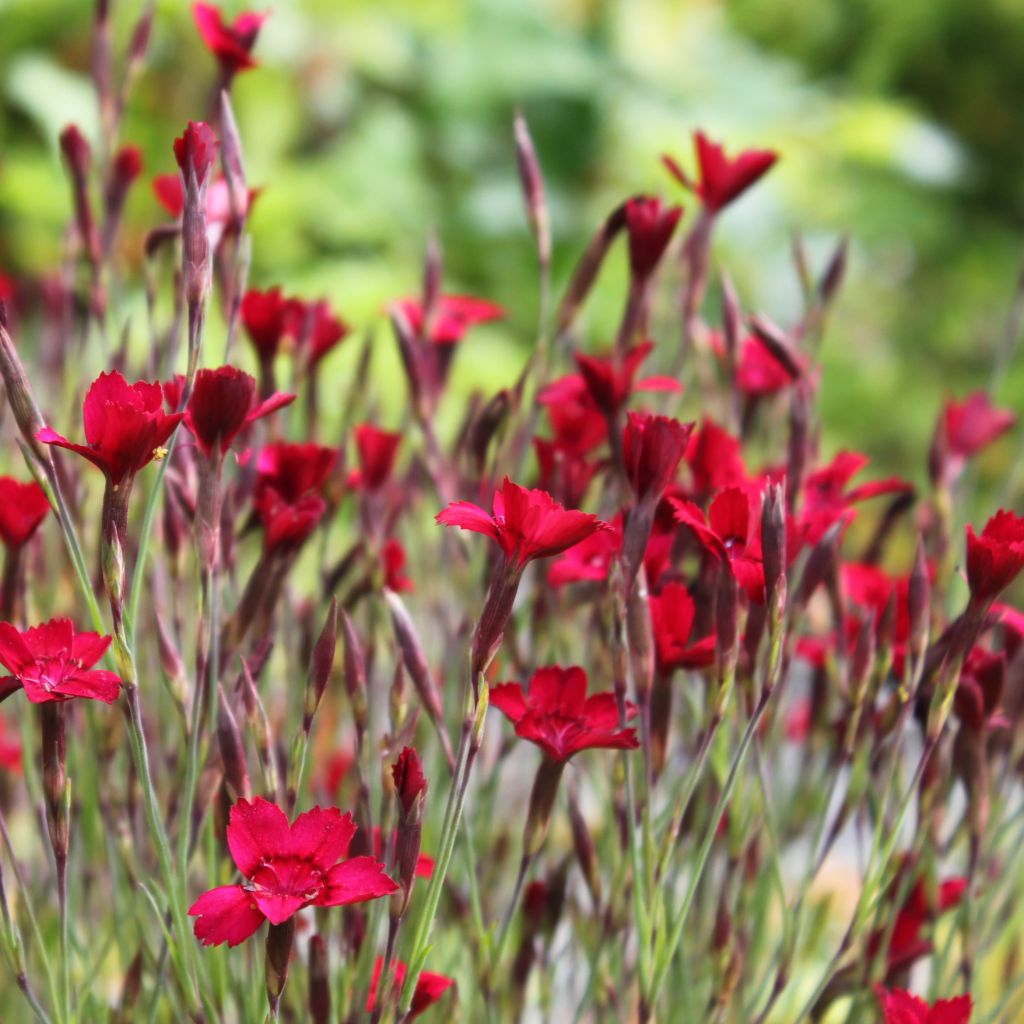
(52, 662)
(265, 317)
(672, 616)
(995, 558)
(610, 381)
(721, 178)
(287, 496)
(900, 1007)
(23, 507)
(973, 424)
(652, 447)
(526, 524)
(315, 327)
(649, 227)
(286, 867)
(555, 713)
(125, 426)
(715, 459)
(429, 987)
(231, 44)
(453, 316)
(222, 405)
(376, 449)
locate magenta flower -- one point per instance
(286, 867)
(721, 179)
(52, 662)
(231, 43)
(23, 507)
(556, 713)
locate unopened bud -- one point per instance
(413, 655)
(319, 981)
(542, 802)
(532, 181)
(321, 664)
(232, 750)
(278, 953)
(355, 672)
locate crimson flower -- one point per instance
(287, 493)
(10, 748)
(672, 615)
(591, 559)
(980, 689)
(392, 556)
(125, 426)
(563, 473)
(827, 499)
(611, 381)
(649, 227)
(453, 316)
(974, 424)
(52, 662)
(264, 316)
(376, 450)
(429, 987)
(556, 713)
(900, 1007)
(196, 151)
(526, 524)
(286, 867)
(759, 371)
(223, 404)
(715, 458)
(721, 179)
(996, 557)
(578, 425)
(315, 326)
(170, 192)
(652, 447)
(230, 44)
(23, 507)
(730, 533)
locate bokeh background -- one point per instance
(371, 120)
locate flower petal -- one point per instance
(256, 830)
(355, 881)
(322, 836)
(226, 914)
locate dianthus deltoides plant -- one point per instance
(668, 714)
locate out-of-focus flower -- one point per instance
(672, 615)
(721, 179)
(52, 662)
(287, 493)
(556, 713)
(900, 1007)
(264, 316)
(652, 447)
(315, 327)
(730, 533)
(649, 226)
(125, 426)
(23, 507)
(611, 381)
(222, 405)
(964, 429)
(590, 559)
(429, 987)
(231, 44)
(376, 449)
(715, 458)
(452, 317)
(995, 558)
(10, 748)
(196, 151)
(392, 556)
(526, 524)
(287, 867)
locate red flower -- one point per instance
(759, 371)
(827, 500)
(649, 226)
(170, 192)
(23, 507)
(672, 615)
(125, 426)
(591, 559)
(715, 458)
(196, 151)
(287, 867)
(731, 534)
(526, 524)
(610, 381)
(556, 713)
(900, 1007)
(223, 404)
(54, 663)
(10, 748)
(564, 474)
(578, 425)
(429, 987)
(230, 44)
(996, 557)
(265, 319)
(652, 447)
(974, 423)
(392, 556)
(315, 326)
(286, 497)
(721, 179)
(407, 775)
(376, 450)
(453, 316)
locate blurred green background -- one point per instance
(369, 121)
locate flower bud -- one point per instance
(78, 155)
(919, 602)
(355, 672)
(278, 953)
(410, 791)
(413, 655)
(542, 802)
(532, 181)
(319, 981)
(232, 750)
(320, 665)
(19, 393)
